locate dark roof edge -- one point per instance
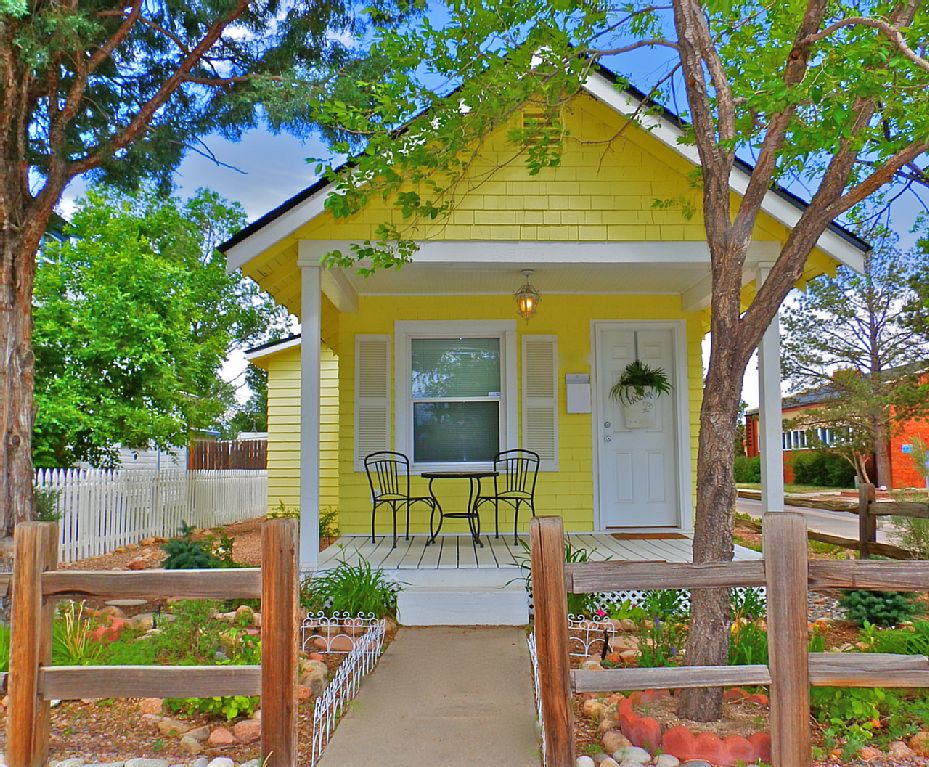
(272, 344)
(798, 202)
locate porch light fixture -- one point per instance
(527, 297)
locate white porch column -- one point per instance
(770, 441)
(310, 329)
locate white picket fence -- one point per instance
(102, 510)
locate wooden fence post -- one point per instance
(867, 524)
(279, 575)
(546, 535)
(28, 717)
(787, 582)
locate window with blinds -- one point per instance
(540, 398)
(456, 398)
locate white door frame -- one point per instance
(680, 392)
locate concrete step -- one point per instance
(460, 606)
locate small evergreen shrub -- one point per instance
(822, 469)
(45, 504)
(747, 470)
(879, 608)
(187, 553)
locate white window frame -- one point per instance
(405, 332)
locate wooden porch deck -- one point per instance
(458, 551)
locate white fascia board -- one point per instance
(267, 352)
(532, 252)
(775, 206)
(275, 231)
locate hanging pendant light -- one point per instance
(527, 297)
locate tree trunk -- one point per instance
(708, 641)
(21, 228)
(882, 453)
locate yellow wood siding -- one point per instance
(569, 491)
(284, 428)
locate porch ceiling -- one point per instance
(549, 278)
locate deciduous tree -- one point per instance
(134, 318)
(848, 335)
(829, 95)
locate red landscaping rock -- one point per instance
(679, 742)
(709, 747)
(649, 695)
(247, 731)
(316, 656)
(741, 751)
(645, 732)
(762, 743)
(759, 697)
(735, 694)
(221, 737)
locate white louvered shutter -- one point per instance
(372, 396)
(540, 398)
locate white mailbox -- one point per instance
(578, 392)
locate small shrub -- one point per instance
(879, 608)
(188, 553)
(822, 469)
(45, 504)
(747, 604)
(351, 589)
(747, 470)
(899, 641)
(328, 522)
(661, 642)
(665, 604)
(912, 534)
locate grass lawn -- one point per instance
(794, 488)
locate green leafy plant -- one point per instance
(72, 637)
(328, 522)
(229, 707)
(661, 642)
(45, 504)
(822, 468)
(748, 644)
(747, 604)
(578, 604)
(880, 608)
(912, 534)
(4, 647)
(283, 512)
(666, 604)
(351, 589)
(639, 381)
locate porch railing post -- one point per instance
(28, 718)
(867, 524)
(546, 535)
(787, 583)
(279, 630)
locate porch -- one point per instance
(454, 582)
(459, 552)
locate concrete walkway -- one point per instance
(443, 697)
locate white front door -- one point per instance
(638, 476)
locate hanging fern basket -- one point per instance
(637, 392)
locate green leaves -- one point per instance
(134, 316)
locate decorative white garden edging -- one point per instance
(534, 658)
(359, 662)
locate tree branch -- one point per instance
(894, 35)
(150, 107)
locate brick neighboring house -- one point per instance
(903, 473)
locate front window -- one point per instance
(456, 387)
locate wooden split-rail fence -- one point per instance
(869, 509)
(786, 574)
(32, 682)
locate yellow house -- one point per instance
(620, 279)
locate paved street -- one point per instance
(822, 520)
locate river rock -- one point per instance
(584, 761)
(147, 763)
(247, 731)
(220, 736)
(191, 745)
(613, 741)
(667, 760)
(221, 761)
(632, 755)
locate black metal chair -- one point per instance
(514, 484)
(389, 477)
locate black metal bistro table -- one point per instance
(474, 478)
